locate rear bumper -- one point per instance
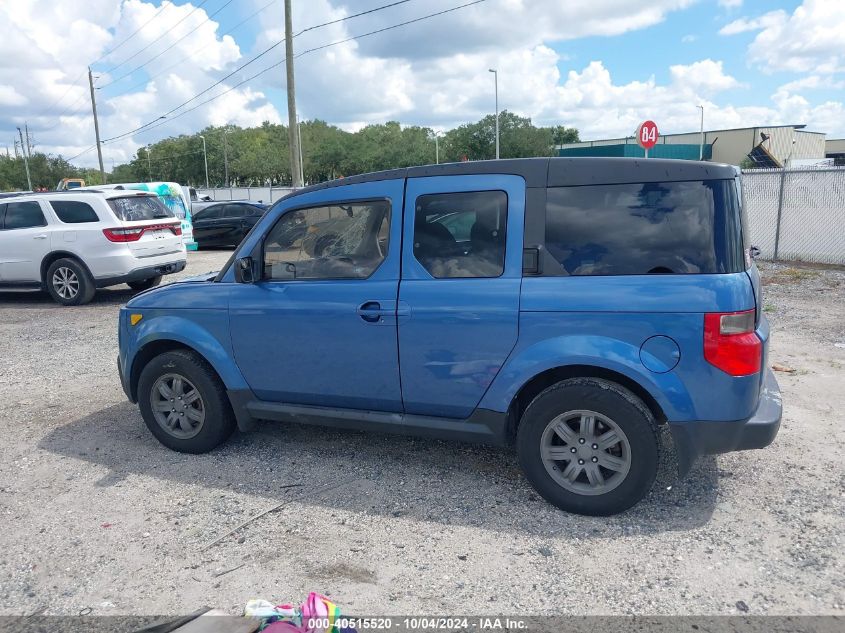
(694, 439)
(139, 274)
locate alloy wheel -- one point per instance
(65, 283)
(177, 406)
(585, 452)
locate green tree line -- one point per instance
(260, 156)
(45, 170)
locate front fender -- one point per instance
(207, 334)
(594, 351)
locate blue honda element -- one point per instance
(570, 307)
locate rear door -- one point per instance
(24, 242)
(159, 229)
(233, 226)
(206, 224)
(461, 276)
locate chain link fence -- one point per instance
(794, 214)
(267, 195)
(797, 214)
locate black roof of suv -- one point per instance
(555, 172)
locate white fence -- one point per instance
(267, 195)
(794, 214)
(797, 214)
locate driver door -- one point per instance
(319, 327)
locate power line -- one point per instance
(388, 28)
(164, 5)
(134, 55)
(165, 118)
(154, 57)
(81, 153)
(254, 59)
(190, 55)
(349, 17)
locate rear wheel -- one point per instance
(144, 284)
(69, 282)
(184, 403)
(589, 446)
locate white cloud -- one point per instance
(44, 66)
(743, 25)
(689, 38)
(730, 4)
(808, 40)
(432, 72)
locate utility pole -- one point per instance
(293, 135)
(28, 142)
(436, 149)
(96, 125)
(226, 157)
(149, 164)
(701, 143)
(301, 162)
(25, 161)
(496, 88)
(205, 157)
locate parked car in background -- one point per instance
(173, 196)
(71, 243)
(570, 307)
(66, 184)
(226, 223)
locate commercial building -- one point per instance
(834, 148)
(771, 146)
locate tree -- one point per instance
(259, 155)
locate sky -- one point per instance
(602, 66)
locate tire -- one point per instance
(69, 282)
(144, 284)
(205, 422)
(598, 477)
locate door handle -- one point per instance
(39, 237)
(372, 312)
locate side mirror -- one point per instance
(755, 252)
(245, 270)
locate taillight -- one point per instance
(731, 344)
(123, 235)
(134, 234)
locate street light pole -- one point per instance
(205, 156)
(149, 164)
(701, 144)
(496, 87)
(226, 156)
(436, 149)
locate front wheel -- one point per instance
(184, 403)
(589, 446)
(144, 284)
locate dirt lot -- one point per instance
(96, 514)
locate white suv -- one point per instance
(72, 242)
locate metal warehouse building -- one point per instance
(780, 144)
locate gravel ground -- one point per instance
(96, 514)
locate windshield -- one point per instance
(138, 208)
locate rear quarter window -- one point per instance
(645, 228)
(139, 208)
(73, 212)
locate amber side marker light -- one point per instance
(135, 318)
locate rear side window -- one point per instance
(637, 229)
(461, 235)
(209, 214)
(73, 212)
(138, 208)
(23, 215)
(235, 211)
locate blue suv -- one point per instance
(569, 307)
